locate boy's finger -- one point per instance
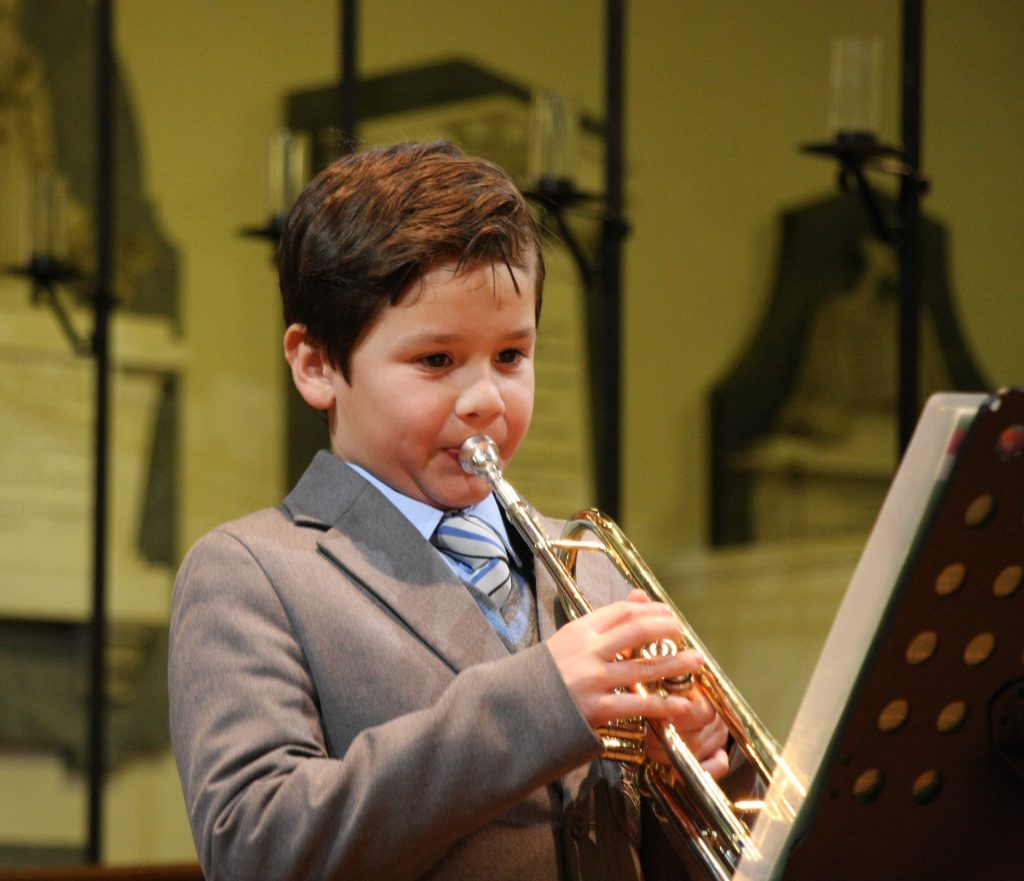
(626, 705)
(634, 632)
(717, 764)
(625, 612)
(632, 670)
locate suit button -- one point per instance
(579, 826)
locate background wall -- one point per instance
(719, 97)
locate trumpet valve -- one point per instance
(664, 648)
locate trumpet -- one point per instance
(696, 812)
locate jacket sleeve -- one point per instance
(266, 796)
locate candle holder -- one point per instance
(47, 268)
(287, 174)
(554, 125)
(854, 114)
(859, 153)
(49, 276)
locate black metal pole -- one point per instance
(348, 90)
(909, 241)
(607, 397)
(104, 215)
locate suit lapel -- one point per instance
(549, 610)
(369, 540)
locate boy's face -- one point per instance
(452, 359)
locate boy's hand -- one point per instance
(703, 731)
(585, 653)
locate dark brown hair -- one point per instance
(370, 223)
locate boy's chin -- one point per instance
(461, 494)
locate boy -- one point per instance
(343, 704)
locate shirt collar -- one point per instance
(425, 517)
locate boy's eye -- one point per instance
(435, 361)
(509, 356)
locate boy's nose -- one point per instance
(480, 399)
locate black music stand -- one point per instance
(921, 769)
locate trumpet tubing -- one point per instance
(694, 808)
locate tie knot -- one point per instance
(479, 551)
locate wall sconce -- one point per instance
(854, 118)
(287, 172)
(47, 266)
(554, 125)
(553, 141)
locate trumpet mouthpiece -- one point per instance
(477, 454)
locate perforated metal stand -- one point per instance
(925, 774)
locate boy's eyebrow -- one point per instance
(428, 338)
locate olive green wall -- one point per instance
(719, 96)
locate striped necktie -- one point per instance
(480, 553)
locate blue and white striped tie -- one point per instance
(479, 551)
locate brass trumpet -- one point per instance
(696, 812)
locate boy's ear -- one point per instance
(311, 371)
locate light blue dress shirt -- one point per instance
(425, 517)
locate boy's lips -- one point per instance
(453, 452)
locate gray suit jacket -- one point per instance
(340, 708)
